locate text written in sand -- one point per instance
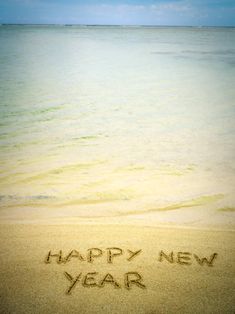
(115, 255)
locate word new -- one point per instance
(186, 258)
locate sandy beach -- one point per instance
(117, 168)
(84, 268)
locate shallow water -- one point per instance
(117, 120)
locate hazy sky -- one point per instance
(145, 12)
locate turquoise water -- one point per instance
(117, 120)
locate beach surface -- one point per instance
(117, 169)
(115, 269)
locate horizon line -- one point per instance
(116, 25)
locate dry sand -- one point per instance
(29, 285)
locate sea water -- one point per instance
(117, 120)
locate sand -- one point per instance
(166, 276)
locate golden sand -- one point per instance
(115, 269)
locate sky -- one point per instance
(119, 12)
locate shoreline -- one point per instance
(119, 224)
(200, 218)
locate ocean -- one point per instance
(116, 121)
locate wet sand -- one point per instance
(168, 275)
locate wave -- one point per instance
(56, 203)
(51, 173)
(200, 201)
